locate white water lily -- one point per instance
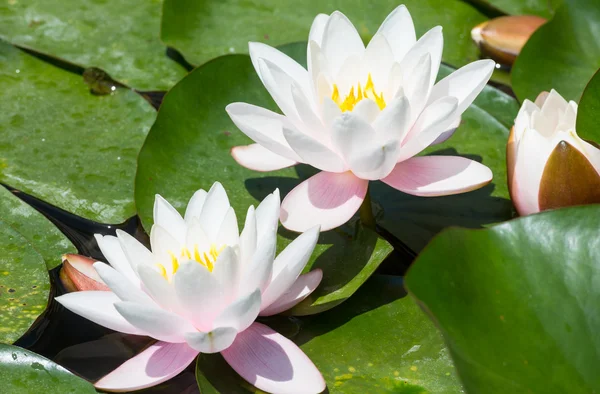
(359, 114)
(200, 289)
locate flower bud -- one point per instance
(502, 38)
(549, 166)
(78, 274)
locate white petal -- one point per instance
(168, 218)
(369, 155)
(213, 213)
(367, 109)
(120, 285)
(318, 28)
(98, 306)
(465, 84)
(418, 86)
(196, 237)
(159, 288)
(399, 30)
(330, 111)
(111, 249)
(248, 238)
(313, 152)
(214, 341)
(267, 214)
(241, 313)
(156, 322)
(327, 199)
(227, 273)
(258, 158)
(195, 205)
(229, 233)
(286, 64)
(257, 272)
(263, 126)
(302, 288)
(378, 61)
(136, 253)
(433, 121)
(164, 246)
(394, 120)
(431, 42)
(199, 294)
(289, 264)
(340, 40)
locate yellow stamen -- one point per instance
(162, 270)
(348, 103)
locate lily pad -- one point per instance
(589, 108)
(377, 342)
(563, 54)
(22, 371)
(62, 144)
(188, 149)
(121, 37)
(205, 29)
(482, 136)
(39, 231)
(24, 284)
(543, 8)
(517, 303)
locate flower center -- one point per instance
(206, 259)
(350, 101)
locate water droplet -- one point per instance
(231, 49)
(17, 71)
(14, 356)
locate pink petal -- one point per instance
(302, 288)
(273, 363)
(80, 274)
(430, 176)
(158, 363)
(257, 158)
(327, 199)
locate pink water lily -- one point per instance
(359, 114)
(200, 289)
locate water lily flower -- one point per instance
(359, 114)
(503, 38)
(200, 289)
(549, 166)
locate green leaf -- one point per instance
(544, 8)
(377, 342)
(64, 145)
(24, 285)
(39, 231)
(482, 136)
(121, 37)
(22, 371)
(563, 54)
(204, 29)
(589, 110)
(517, 303)
(188, 149)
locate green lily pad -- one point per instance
(589, 108)
(22, 371)
(121, 37)
(39, 231)
(24, 284)
(517, 303)
(377, 342)
(544, 8)
(563, 54)
(482, 136)
(205, 29)
(62, 144)
(348, 256)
